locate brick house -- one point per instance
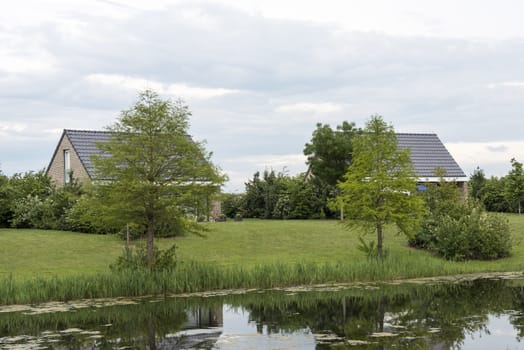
(72, 159)
(72, 156)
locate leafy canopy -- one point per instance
(515, 185)
(330, 151)
(380, 185)
(151, 173)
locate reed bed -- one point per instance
(196, 277)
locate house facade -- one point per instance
(72, 156)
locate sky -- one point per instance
(259, 75)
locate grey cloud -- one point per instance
(435, 84)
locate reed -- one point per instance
(195, 277)
(40, 265)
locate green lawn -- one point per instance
(27, 253)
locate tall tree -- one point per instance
(515, 184)
(329, 152)
(477, 181)
(150, 171)
(380, 184)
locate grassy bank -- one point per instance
(44, 265)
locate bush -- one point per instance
(459, 229)
(479, 235)
(136, 259)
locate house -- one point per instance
(428, 153)
(72, 160)
(72, 156)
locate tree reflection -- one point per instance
(407, 316)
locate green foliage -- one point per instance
(457, 229)
(493, 196)
(36, 203)
(232, 204)
(151, 172)
(262, 194)
(135, 258)
(514, 189)
(17, 191)
(476, 183)
(5, 201)
(279, 196)
(370, 248)
(330, 152)
(380, 185)
(478, 235)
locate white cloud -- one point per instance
(241, 169)
(183, 91)
(12, 127)
(516, 84)
(323, 107)
(494, 156)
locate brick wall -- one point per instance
(56, 168)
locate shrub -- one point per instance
(136, 259)
(479, 235)
(459, 229)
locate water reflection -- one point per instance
(480, 314)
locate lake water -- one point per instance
(479, 314)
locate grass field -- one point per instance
(28, 253)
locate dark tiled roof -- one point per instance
(84, 142)
(428, 153)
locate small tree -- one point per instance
(150, 170)
(515, 185)
(380, 184)
(476, 183)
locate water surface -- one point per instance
(480, 314)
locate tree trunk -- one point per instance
(150, 242)
(379, 240)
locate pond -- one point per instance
(477, 314)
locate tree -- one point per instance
(380, 185)
(5, 203)
(515, 185)
(477, 181)
(150, 170)
(330, 151)
(493, 195)
(329, 154)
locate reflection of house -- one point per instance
(428, 153)
(72, 156)
(201, 331)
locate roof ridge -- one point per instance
(88, 131)
(416, 133)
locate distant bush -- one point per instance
(460, 229)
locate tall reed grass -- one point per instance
(196, 277)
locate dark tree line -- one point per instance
(272, 195)
(504, 194)
(276, 196)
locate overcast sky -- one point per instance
(259, 75)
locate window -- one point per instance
(67, 166)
